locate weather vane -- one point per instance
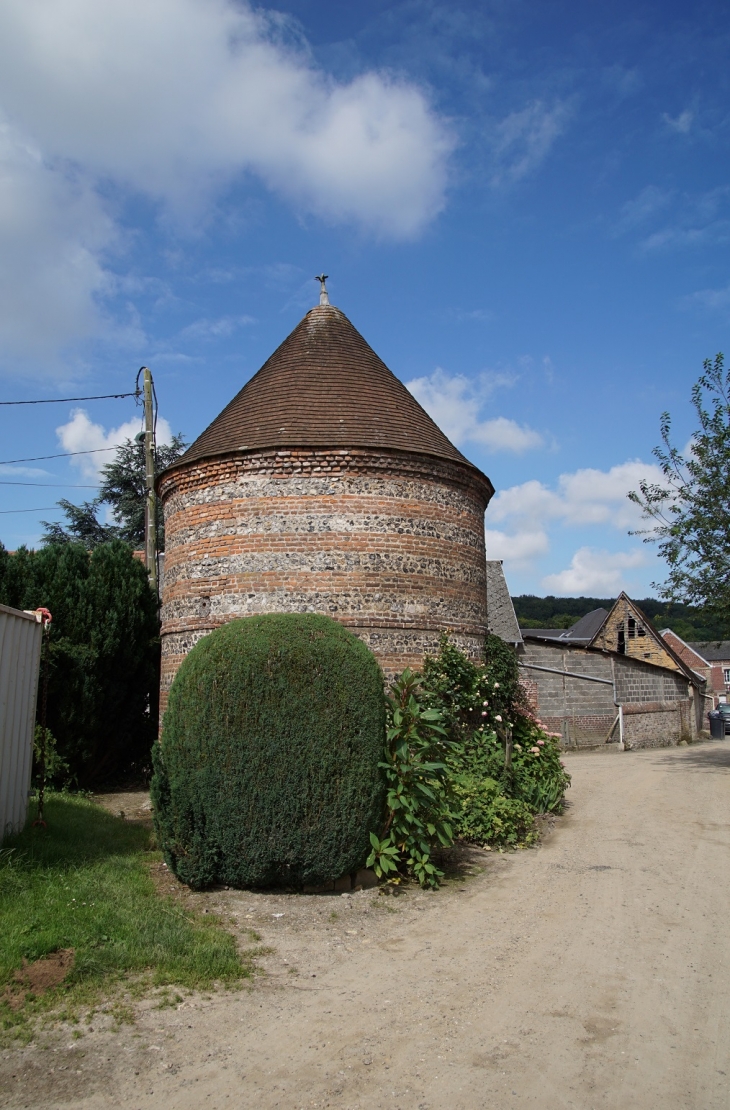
(323, 294)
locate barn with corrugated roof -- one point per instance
(324, 487)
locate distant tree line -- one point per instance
(691, 623)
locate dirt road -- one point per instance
(593, 972)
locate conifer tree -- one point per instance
(104, 652)
(122, 488)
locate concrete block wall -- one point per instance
(582, 712)
(659, 707)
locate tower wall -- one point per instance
(389, 543)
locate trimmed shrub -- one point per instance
(267, 772)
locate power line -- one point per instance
(65, 400)
(62, 455)
(43, 509)
(47, 485)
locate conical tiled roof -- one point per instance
(323, 387)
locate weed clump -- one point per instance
(267, 772)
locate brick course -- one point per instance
(389, 543)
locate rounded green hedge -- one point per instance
(267, 770)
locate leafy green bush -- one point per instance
(419, 787)
(504, 766)
(267, 772)
(104, 653)
(539, 777)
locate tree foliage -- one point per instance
(267, 771)
(104, 652)
(123, 490)
(688, 621)
(690, 510)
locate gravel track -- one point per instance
(591, 972)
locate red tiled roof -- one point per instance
(324, 387)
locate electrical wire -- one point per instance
(62, 455)
(65, 400)
(43, 509)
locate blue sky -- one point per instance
(524, 208)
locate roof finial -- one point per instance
(323, 294)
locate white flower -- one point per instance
(485, 704)
(498, 718)
(496, 686)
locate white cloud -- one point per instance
(175, 101)
(593, 572)
(53, 232)
(696, 219)
(177, 97)
(682, 123)
(586, 496)
(520, 547)
(214, 329)
(24, 471)
(647, 204)
(81, 434)
(582, 498)
(716, 300)
(524, 138)
(454, 402)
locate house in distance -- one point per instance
(612, 677)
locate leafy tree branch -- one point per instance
(690, 510)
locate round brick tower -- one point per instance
(324, 487)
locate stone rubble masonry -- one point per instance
(501, 612)
(641, 642)
(390, 544)
(658, 705)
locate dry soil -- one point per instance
(591, 972)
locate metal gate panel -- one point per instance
(21, 635)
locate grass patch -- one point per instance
(84, 884)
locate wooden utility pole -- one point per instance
(150, 510)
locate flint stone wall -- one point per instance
(391, 545)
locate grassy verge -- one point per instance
(84, 884)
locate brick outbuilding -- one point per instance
(324, 487)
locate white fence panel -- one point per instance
(21, 635)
